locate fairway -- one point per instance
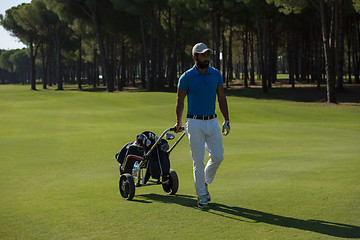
(291, 169)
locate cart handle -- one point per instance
(182, 135)
(157, 142)
(173, 129)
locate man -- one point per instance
(201, 84)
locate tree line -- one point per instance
(121, 43)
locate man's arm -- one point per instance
(222, 102)
(181, 94)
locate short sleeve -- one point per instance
(220, 79)
(183, 83)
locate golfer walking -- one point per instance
(202, 84)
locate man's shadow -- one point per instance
(255, 216)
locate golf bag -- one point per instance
(159, 163)
(128, 155)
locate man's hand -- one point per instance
(226, 127)
(178, 127)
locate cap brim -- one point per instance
(205, 50)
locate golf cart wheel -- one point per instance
(127, 186)
(171, 183)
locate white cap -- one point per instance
(200, 48)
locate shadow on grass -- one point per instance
(97, 89)
(255, 216)
(349, 94)
(88, 89)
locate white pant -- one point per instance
(204, 135)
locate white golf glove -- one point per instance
(226, 128)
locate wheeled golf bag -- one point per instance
(159, 163)
(152, 153)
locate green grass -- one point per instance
(291, 169)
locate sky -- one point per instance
(6, 40)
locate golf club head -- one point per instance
(169, 136)
(152, 136)
(165, 146)
(140, 139)
(144, 139)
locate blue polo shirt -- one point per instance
(201, 90)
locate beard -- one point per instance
(202, 65)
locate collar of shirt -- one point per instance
(208, 70)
